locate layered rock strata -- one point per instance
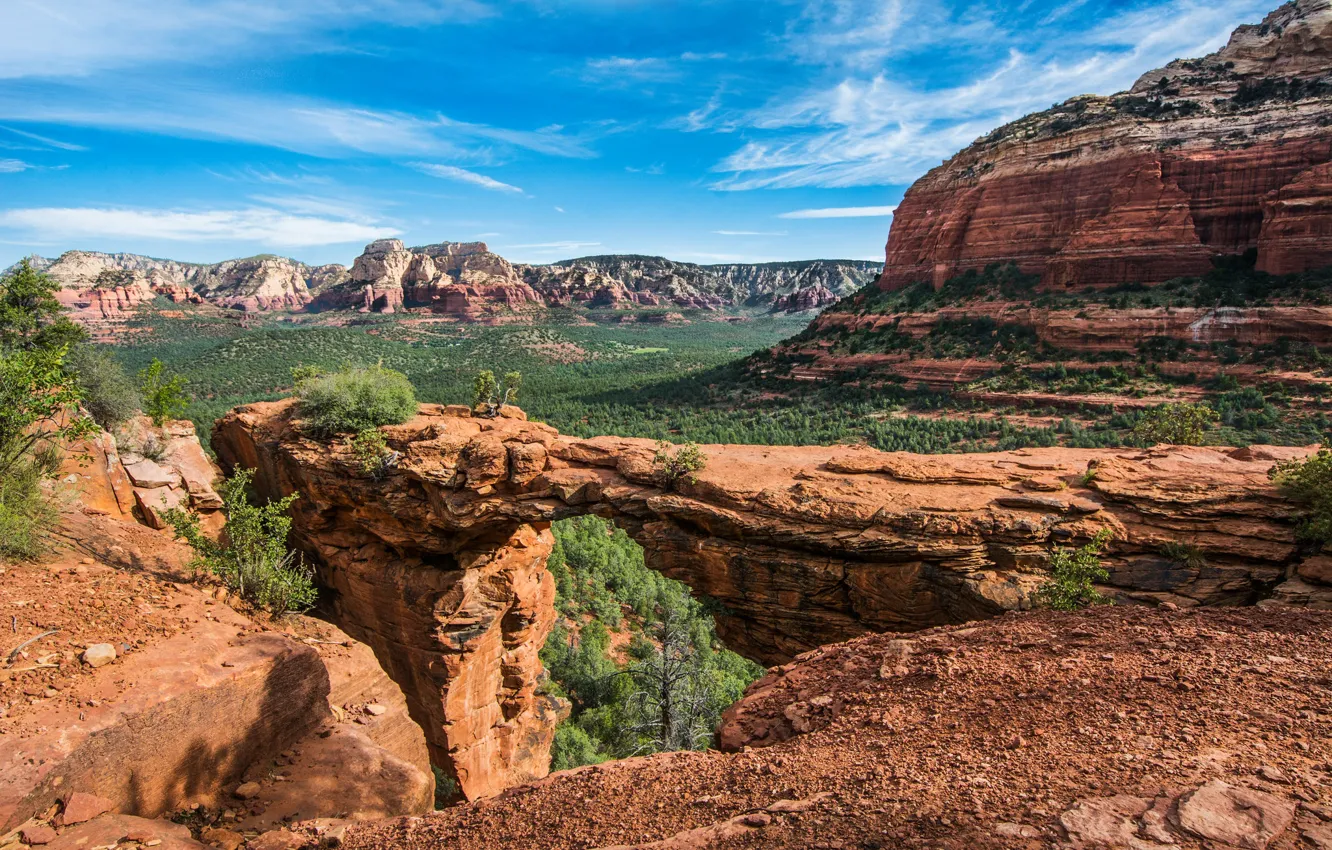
(440, 565)
(1211, 156)
(463, 280)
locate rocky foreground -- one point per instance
(131, 691)
(1122, 727)
(439, 565)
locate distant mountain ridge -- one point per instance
(464, 279)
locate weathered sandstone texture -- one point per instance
(1211, 156)
(440, 566)
(462, 279)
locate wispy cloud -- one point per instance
(302, 125)
(462, 175)
(750, 232)
(81, 37)
(841, 212)
(45, 141)
(555, 247)
(255, 225)
(872, 128)
(13, 166)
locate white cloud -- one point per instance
(256, 225)
(750, 232)
(841, 212)
(623, 70)
(872, 128)
(44, 141)
(556, 247)
(296, 124)
(559, 209)
(13, 166)
(45, 38)
(462, 175)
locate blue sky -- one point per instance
(708, 131)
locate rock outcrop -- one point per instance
(103, 291)
(462, 279)
(1211, 156)
(439, 566)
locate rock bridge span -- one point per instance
(440, 565)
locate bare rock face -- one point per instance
(103, 291)
(1217, 155)
(461, 279)
(440, 566)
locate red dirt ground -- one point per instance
(983, 738)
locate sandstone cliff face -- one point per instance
(1211, 156)
(440, 566)
(462, 279)
(104, 290)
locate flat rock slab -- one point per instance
(150, 474)
(342, 774)
(109, 830)
(1240, 817)
(172, 724)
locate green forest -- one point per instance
(633, 652)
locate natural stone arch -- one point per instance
(440, 566)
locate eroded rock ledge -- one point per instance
(440, 566)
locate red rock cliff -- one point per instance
(1211, 156)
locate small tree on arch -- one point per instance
(489, 395)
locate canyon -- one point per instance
(1209, 156)
(439, 565)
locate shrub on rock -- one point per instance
(355, 399)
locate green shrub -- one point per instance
(109, 395)
(1309, 482)
(1073, 574)
(36, 393)
(26, 513)
(354, 399)
(252, 559)
(573, 747)
(372, 453)
(1179, 424)
(1184, 553)
(674, 464)
(446, 789)
(163, 395)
